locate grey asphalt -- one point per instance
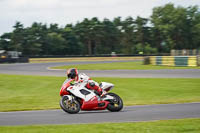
(41, 69)
(128, 114)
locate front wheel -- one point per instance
(70, 106)
(116, 104)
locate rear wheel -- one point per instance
(116, 104)
(69, 106)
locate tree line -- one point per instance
(168, 27)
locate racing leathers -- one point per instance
(91, 84)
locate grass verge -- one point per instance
(20, 92)
(120, 65)
(45, 60)
(163, 126)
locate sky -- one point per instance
(65, 12)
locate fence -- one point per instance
(185, 52)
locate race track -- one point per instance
(128, 114)
(42, 69)
(132, 113)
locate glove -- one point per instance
(92, 84)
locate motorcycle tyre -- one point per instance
(67, 110)
(112, 108)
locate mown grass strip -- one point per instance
(19, 92)
(163, 126)
(45, 60)
(120, 66)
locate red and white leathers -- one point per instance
(91, 84)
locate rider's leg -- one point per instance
(94, 86)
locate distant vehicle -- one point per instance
(76, 97)
(14, 54)
(3, 54)
(12, 57)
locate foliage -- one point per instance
(169, 27)
(174, 27)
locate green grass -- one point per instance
(120, 65)
(163, 126)
(137, 91)
(72, 59)
(19, 92)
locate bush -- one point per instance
(146, 49)
(146, 60)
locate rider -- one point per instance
(80, 77)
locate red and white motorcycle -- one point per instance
(76, 97)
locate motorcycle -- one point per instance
(76, 97)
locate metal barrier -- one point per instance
(14, 60)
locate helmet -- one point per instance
(72, 73)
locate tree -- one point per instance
(171, 27)
(127, 35)
(89, 32)
(56, 43)
(175, 27)
(193, 22)
(17, 37)
(142, 33)
(109, 38)
(5, 41)
(73, 46)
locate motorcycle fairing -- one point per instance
(106, 86)
(94, 104)
(107, 97)
(66, 84)
(76, 90)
